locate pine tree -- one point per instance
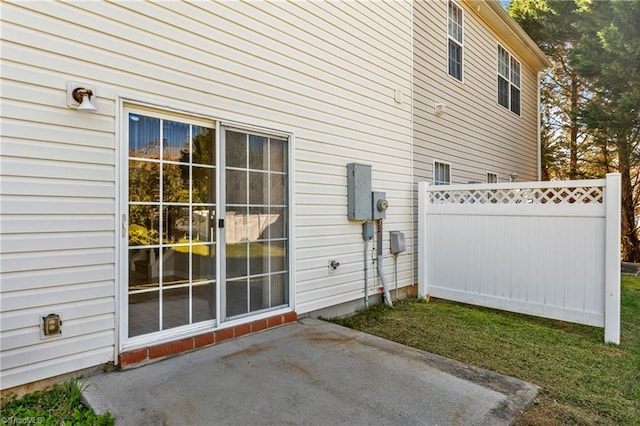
(609, 54)
(591, 97)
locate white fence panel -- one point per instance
(542, 248)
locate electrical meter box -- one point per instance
(358, 191)
(379, 205)
(396, 242)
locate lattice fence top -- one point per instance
(552, 195)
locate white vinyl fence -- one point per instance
(550, 249)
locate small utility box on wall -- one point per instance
(367, 231)
(51, 325)
(396, 242)
(359, 191)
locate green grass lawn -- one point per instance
(582, 379)
(59, 405)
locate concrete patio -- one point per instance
(308, 373)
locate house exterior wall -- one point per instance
(350, 82)
(326, 72)
(475, 134)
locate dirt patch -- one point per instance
(249, 351)
(610, 350)
(298, 368)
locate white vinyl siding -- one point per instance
(323, 71)
(474, 132)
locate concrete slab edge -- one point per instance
(94, 398)
(518, 393)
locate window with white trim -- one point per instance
(492, 177)
(441, 173)
(508, 81)
(454, 34)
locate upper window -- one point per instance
(441, 173)
(508, 81)
(455, 40)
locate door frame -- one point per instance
(124, 343)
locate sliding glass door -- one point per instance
(184, 238)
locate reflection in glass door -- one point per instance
(256, 223)
(172, 226)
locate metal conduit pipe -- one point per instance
(395, 272)
(387, 295)
(366, 275)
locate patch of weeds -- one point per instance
(368, 315)
(59, 405)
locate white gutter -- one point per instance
(539, 128)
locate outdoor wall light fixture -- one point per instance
(439, 108)
(513, 176)
(81, 96)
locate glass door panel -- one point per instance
(175, 307)
(255, 204)
(279, 289)
(203, 262)
(204, 301)
(172, 224)
(143, 273)
(144, 312)
(237, 296)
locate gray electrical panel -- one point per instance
(396, 242)
(358, 191)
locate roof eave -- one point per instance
(494, 15)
